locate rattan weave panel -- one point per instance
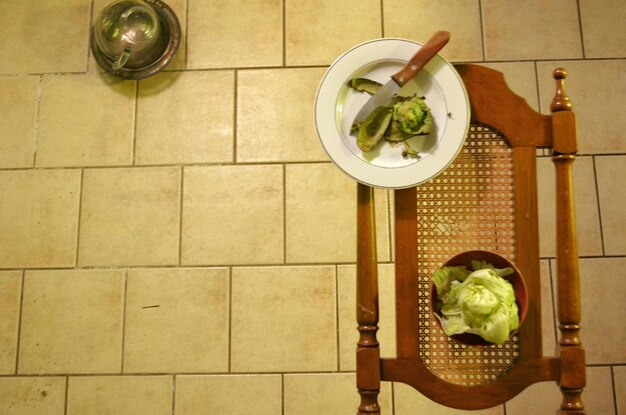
(468, 206)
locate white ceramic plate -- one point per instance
(385, 166)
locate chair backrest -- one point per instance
(486, 199)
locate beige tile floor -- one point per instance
(182, 245)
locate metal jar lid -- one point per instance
(167, 46)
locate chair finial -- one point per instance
(560, 102)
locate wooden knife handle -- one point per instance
(421, 58)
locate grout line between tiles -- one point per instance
(580, 29)
(552, 278)
(317, 66)
(38, 100)
(185, 61)
(173, 394)
(235, 118)
(537, 90)
(337, 336)
(89, 23)
(79, 219)
(614, 390)
(382, 18)
(282, 394)
(230, 317)
(198, 164)
(124, 310)
(390, 214)
(221, 266)
(251, 265)
(67, 394)
(180, 215)
(240, 373)
(482, 30)
(392, 386)
(597, 187)
(133, 156)
(19, 324)
(284, 207)
(284, 32)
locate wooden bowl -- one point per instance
(498, 261)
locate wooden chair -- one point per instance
(486, 199)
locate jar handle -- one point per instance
(121, 61)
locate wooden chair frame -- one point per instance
(495, 105)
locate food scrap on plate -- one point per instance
(403, 118)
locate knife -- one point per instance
(398, 80)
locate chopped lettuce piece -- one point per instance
(373, 128)
(479, 302)
(412, 115)
(365, 85)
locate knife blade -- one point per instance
(383, 96)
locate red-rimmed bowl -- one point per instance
(498, 261)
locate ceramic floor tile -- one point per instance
(296, 304)
(233, 215)
(176, 321)
(234, 33)
(85, 120)
(72, 322)
(418, 20)
(526, 29)
(130, 216)
(348, 334)
(32, 396)
(274, 115)
(179, 7)
(39, 211)
(10, 299)
(332, 393)
(598, 394)
(603, 29)
(586, 207)
(18, 104)
(318, 32)
(619, 378)
(327, 233)
(611, 203)
(185, 117)
(602, 289)
(120, 395)
(520, 78)
(596, 89)
(229, 394)
(35, 37)
(545, 397)
(407, 401)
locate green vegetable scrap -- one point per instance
(365, 85)
(373, 128)
(410, 117)
(479, 302)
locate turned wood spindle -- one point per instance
(367, 351)
(572, 379)
(561, 101)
